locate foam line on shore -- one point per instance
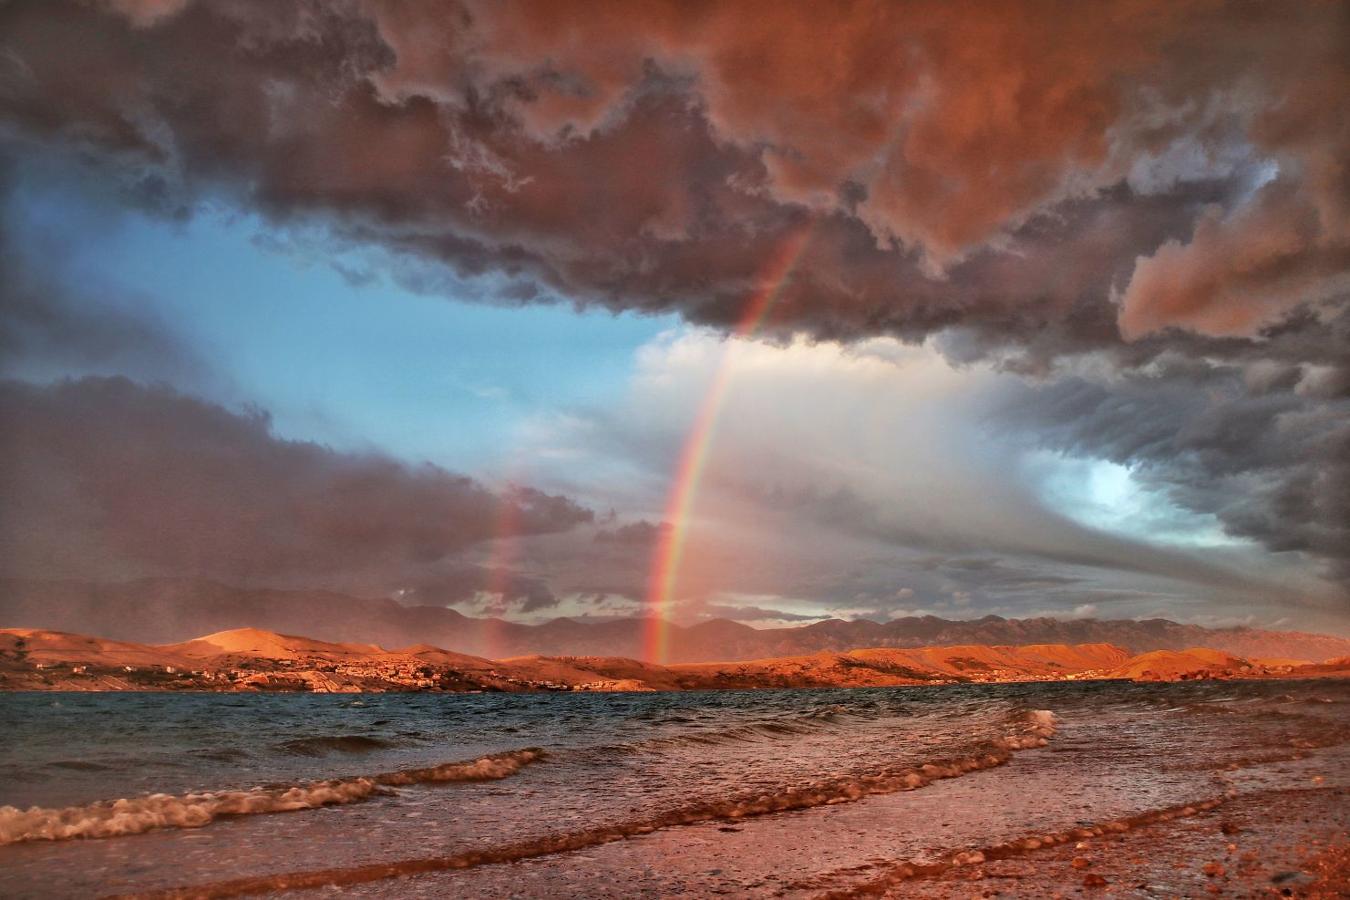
(1027, 730)
(905, 871)
(114, 818)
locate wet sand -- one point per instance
(1282, 843)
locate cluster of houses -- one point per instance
(314, 675)
(317, 677)
(998, 676)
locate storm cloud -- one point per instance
(46, 325)
(999, 167)
(105, 478)
(1264, 446)
(1135, 215)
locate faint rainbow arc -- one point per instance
(693, 457)
(500, 565)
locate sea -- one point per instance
(745, 793)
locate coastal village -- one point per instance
(262, 674)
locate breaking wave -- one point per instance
(112, 818)
(1026, 730)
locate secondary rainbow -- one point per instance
(694, 454)
(501, 567)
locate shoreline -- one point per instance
(1342, 676)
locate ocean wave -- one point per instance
(492, 767)
(79, 765)
(323, 744)
(114, 818)
(1026, 730)
(223, 754)
(754, 732)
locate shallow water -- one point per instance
(443, 786)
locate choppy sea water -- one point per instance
(525, 794)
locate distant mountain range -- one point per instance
(162, 611)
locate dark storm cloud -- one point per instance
(1027, 532)
(46, 323)
(102, 477)
(1263, 446)
(41, 324)
(994, 573)
(998, 166)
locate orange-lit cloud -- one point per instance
(652, 155)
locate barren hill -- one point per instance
(50, 648)
(1168, 665)
(268, 644)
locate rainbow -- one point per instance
(694, 454)
(500, 567)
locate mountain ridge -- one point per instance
(166, 611)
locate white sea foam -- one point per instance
(111, 818)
